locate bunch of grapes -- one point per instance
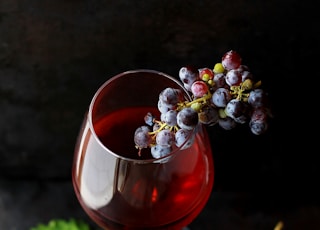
(226, 95)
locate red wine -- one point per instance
(119, 193)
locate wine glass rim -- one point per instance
(121, 74)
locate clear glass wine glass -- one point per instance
(119, 189)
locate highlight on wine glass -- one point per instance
(143, 159)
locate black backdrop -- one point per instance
(55, 54)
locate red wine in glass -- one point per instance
(119, 189)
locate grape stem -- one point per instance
(163, 125)
(240, 91)
(201, 100)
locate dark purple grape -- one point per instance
(238, 110)
(171, 96)
(227, 123)
(221, 97)
(258, 127)
(163, 107)
(208, 115)
(142, 138)
(187, 118)
(233, 77)
(219, 80)
(184, 138)
(165, 138)
(257, 98)
(188, 75)
(149, 119)
(158, 151)
(170, 117)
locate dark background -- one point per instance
(55, 54)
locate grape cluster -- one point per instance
(226, 95)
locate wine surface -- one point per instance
(127, 194)
(116, 131)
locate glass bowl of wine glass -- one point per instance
(121, 189)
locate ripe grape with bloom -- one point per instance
(227, 123)
(231, 60)
(237, 110)
(170, 117)
(233, 77)
(221, 97)
(142, 139)
(171, 97)
(208, 115)
(165, 138)
(257, 98)
(184, 138)
(219, 81)
(187, 118)
(188, 75)
(199, 89)
(158, 151)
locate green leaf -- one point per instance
(60, 224)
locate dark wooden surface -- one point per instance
(55, 54)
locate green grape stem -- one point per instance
(240, 92)
(163, 125)
(202, 100)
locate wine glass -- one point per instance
(119, 189)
